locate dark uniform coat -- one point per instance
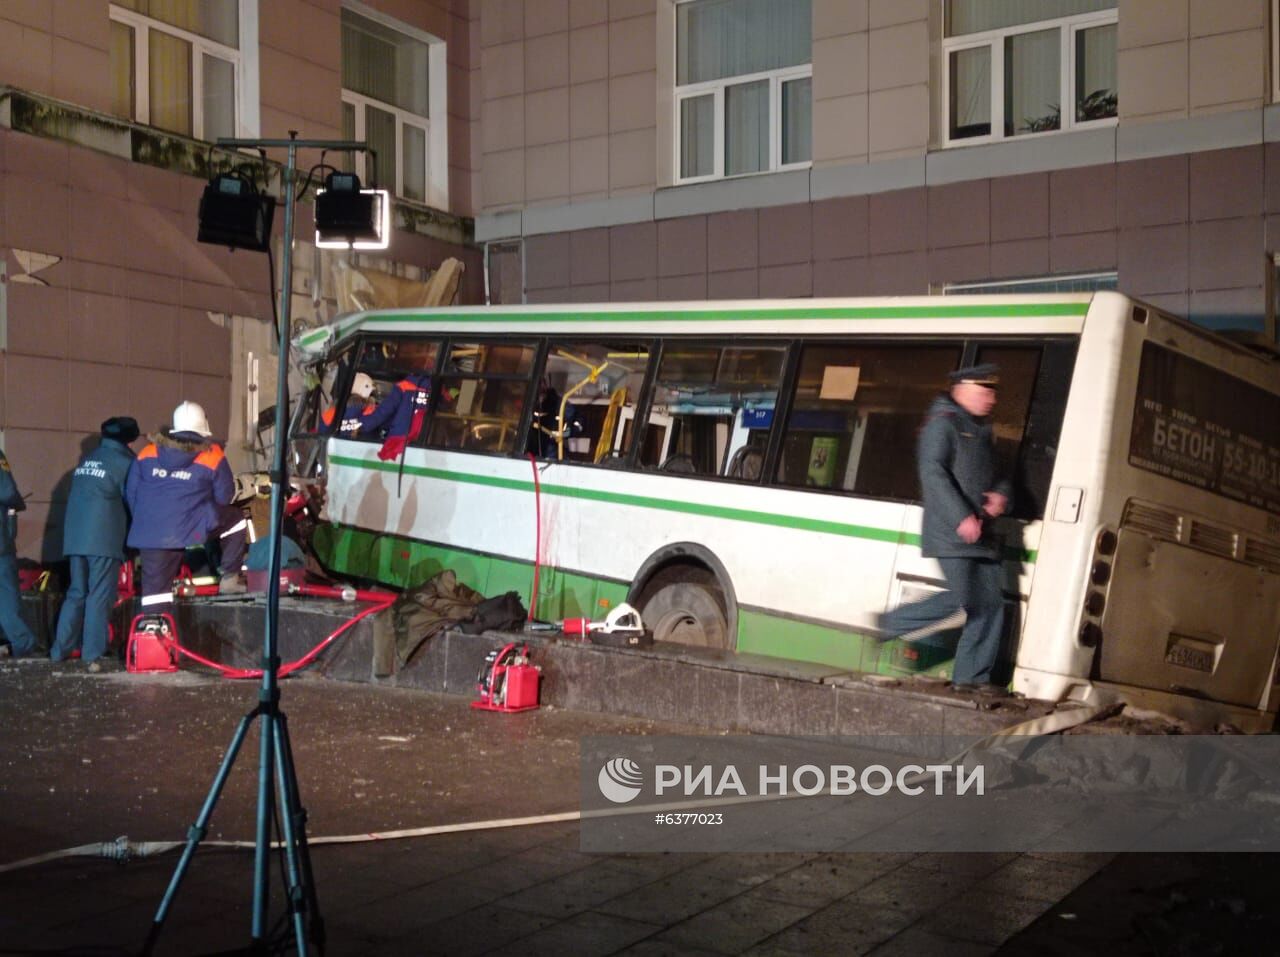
(957, 464)
(9, 499)
(96, 516)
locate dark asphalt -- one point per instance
(85, 758)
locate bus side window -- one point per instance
(386, 361)
(586, 401)
(1034, 382)
(856, 413)
(481, 394)
(712, 409)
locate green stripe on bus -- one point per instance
(968, 311)
(662, 504)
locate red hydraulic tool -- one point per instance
(153, 644)
(508, 682)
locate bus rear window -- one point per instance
(1203, 427)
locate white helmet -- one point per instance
(362, 385)
(190, 417)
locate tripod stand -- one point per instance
(275, 764)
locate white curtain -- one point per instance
(219, 98)
(797, 121)
(1032, 82)
(970, 92)
(697, 136)
(414, 163)
(169, 82)
(122, 70)
(380, 134)
(723, 38)
(746, 128)
(975, 16)
(1095, 67)
(383, 64)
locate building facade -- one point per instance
(606, 150)
(108, 304)
(909, 147)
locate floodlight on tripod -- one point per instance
(233, 213)
(349, 217)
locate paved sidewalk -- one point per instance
(88, 757)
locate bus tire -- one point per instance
(687, 612)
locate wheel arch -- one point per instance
(695, 556)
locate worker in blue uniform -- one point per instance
(93, 543)
(963, 496)
(401, 413)
(358, 408)
(179, 493)
(18, 637)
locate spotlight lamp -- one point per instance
(349, 217)
(233, 213)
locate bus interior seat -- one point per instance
(680, 463)
(746, 463)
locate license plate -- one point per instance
(1192, 654)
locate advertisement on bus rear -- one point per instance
(1201, 426)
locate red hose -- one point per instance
(380, 600)
(537, 538)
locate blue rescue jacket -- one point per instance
(96, 517)
(353, 418)
(174, 490)
(9, 499)
(395, 412)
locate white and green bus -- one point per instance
(743, 473)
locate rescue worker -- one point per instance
(93, 542)
(962, 495)
(18, 637)
(401, 412)
(179, 492)
(359, 406)
(546, 423)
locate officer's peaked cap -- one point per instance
(988, 373)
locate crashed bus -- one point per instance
(743, 473)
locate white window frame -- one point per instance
(717, 88)
(993, 40)
(435, 125)
(200, 47)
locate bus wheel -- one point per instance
(690, 612)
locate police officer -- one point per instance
(12, 628)
(93, 542)
(957, 467)
(179, 492)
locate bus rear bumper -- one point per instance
(1201, 714)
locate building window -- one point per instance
(743, 87)
(175, 64)
(392, 87)
(1011, 65)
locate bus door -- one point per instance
(1026, 423)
